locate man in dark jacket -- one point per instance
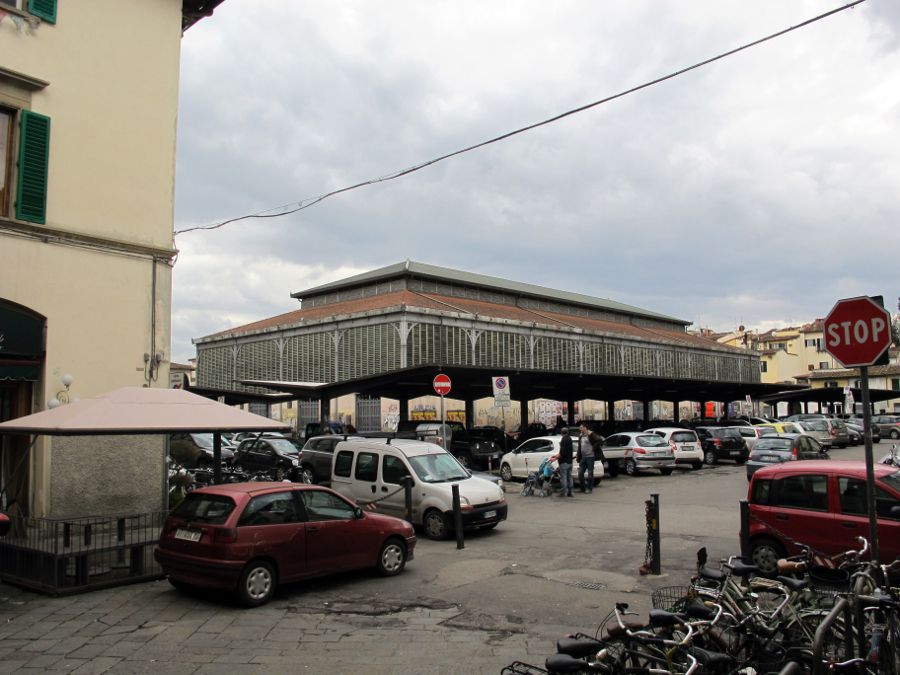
(565, 464)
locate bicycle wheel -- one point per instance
(801, 631)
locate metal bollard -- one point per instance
(457, 518)
(656, 561)
(745, 530)
(407, 493)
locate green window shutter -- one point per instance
(46, 9)
(34, 158)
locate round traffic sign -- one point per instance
(442, 384)
(857, 331)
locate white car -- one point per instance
(633, 451)
(526, 458)
(684, 443)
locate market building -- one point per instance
(387, 332)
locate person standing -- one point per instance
(565, 464)
(585, 459)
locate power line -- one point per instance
(294, 207)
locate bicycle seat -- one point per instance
(742, 570)
(714, 660)
(563, 663)
(697, 610)
(578, 647)
(712, 575)
(660, 617)
(794, 584)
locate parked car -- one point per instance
(276, 456)
(471, 449)
(818, 429)
(527, 457)
(635, 451)
(822, 505)
(783, 448)
(196, 450)
(750, 434)
(248, 538)
(857, 425)
(720, 443)
(318, 429)
(374, 468)
(316, 458)
(492, 433)
(533, 430)
(684, 443)
(888, 426)
(856, 437)
(782, 427)
(238, 438)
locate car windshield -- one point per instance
(282, 445)
(203, 440)
(438, 468)
(205, 507)
(783, 444)
(651, 441)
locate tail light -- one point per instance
(834, 431)
(640, 451)
(672, 445)
(794, 456)
(224, 535)
(717, 442)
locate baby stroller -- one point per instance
(541, 479)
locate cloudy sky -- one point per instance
(756, 190)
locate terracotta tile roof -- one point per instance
(470, 306)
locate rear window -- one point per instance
(650, 441)
(343, 463)
(762, 489)
(773, 444)
(684, 437)
(815, 425)
(208, 508)
(727, 432)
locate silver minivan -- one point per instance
(372, 471)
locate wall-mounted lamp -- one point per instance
(62, 396)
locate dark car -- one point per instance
(888, 425)
(196, 450)
(720, 443)
(277, 457)
(492, 433)
(821, 505)
(471, 449)
(774, 449)
(318, 429)
(250, 537)
(316, 458)
(533, 430)
(856, 424)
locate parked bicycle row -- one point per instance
(820, 615)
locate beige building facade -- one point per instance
(88, 108)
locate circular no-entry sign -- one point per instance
(442, 384)
(857, 331)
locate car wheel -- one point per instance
(709, 457)
(392, 558)
(307, 475)
(765, 553)
(257, 584)
(181, 585)
(895, 434)
(506, 472)
(739, 461)
(666, 472)
(697, 465)
(435, 525)
(631, 468)
(613, 469)
(465, 459)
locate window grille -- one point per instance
(501, 350)
(214, 368)
(257, 361)
(555, 354)
(309, 358)
(368, 350)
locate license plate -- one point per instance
(490, 514)
(734, 453)
(687, 448)
(769, 458)
(188, 535)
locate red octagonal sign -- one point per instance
(442, 384)
(857, 331)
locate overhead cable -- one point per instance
(294, 207)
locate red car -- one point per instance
(821, 504)
(250, 537)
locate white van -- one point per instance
(372, 470)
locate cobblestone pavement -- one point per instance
(557, 565)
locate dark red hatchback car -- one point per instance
(821, 504)
(250, 537)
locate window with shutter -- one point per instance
(46, 9)
(34, 156)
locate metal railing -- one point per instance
(69, 555)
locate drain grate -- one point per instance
(588, 585)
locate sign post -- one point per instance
(442, 386)
(500, 386)
(858, 334)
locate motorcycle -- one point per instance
(891, 459)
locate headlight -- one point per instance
(501, 485)
(295, 462)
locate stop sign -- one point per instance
(857, 331)
(442, 384)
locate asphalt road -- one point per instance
(556, 565)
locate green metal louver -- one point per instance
(45, 9)
(34, 158)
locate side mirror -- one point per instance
(358, 512)
(894, 512)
